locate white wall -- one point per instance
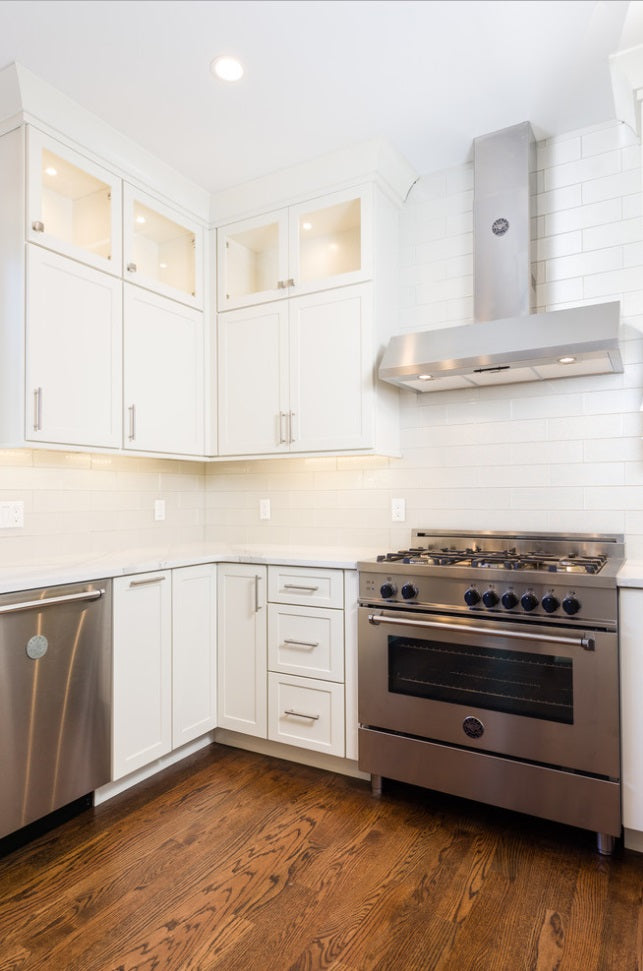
(561, 455)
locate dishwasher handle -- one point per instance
(88, 595)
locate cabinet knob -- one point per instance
(281, 284)
(38, 226)
(131, 267)
(290, 282)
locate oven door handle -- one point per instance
(587, 643)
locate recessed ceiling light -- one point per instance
(566, 360)
(425, 377)
(227, 68)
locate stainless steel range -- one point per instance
(488, 669)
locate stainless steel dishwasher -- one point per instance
(55, 698)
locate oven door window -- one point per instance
(516, 682)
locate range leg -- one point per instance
(605, 844)
(376, 785)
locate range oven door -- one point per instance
(546, 694)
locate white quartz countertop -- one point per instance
(28, 576)
(631, 574)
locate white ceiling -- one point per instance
(320, 74)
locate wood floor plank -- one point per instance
(234, 861)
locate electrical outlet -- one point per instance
(12, 515)
(398, 510)
(159, 510)
(264, 509)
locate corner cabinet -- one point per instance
(306, 300)
(164, 666)
(306, 374)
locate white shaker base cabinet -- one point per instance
(142, 701)
(164, 663)
(163, 365)
(242, 638)
(73, 360)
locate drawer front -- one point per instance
(307, 713)
(306, 641)
(301, 585)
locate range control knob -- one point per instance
(509, 600)
(528, 601)
(471, 597)
(490, 598)
(388, 590)
(550, 603)
(409, 591)
(571, 605)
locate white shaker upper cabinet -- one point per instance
(316, 245)
(162, 248)
(73, 205)
(163, 367)
(73, 359)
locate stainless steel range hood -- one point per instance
(509, 343)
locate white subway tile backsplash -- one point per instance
(583, 170)
(611, 186)
(613, 137)
(615, 234)
(582, 217)
(582, 264)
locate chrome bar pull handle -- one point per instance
(132, 422)
(283, 435)
(298, 586)
(301, 714)
(38, 226)
(37, 410)
(51, 601)
(257, 604)
(291, 425)
(147, 581)
(293, 643)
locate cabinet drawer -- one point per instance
(306, 641)
(307, 713)
(301, 585)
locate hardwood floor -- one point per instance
(234, 861)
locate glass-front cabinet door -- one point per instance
(253, 261)
(73, 205)
(162, 249)
(329, 242)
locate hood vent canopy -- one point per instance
(509, 343)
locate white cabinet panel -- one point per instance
(73, 205)
(194, 670)
(253, 380)
(142, 725)
(631, 650)
(307, 713)
(242, 668)
(306, 641)
(252, 260)
(306, 585)
(163, 375)
(74, 345)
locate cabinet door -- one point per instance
(330, 374)
(306, 641)
(163, 369)
(330, 241)
(73, 205)
(242, 656)
(142, 723)
(253, 380)
(194, 685)
(74, 351)
(252, 261)
(162, 249)
(307, 713)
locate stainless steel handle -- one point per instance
(257, 604)
(131, 267)
(283, 438)
(291, 424)
(301, 714)
(143, 583)
(52, 601)
(290, 282)
(287, 640)
(297, 586)
(585, 642)
(38, 226)
(132, 422)
(37, 409)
